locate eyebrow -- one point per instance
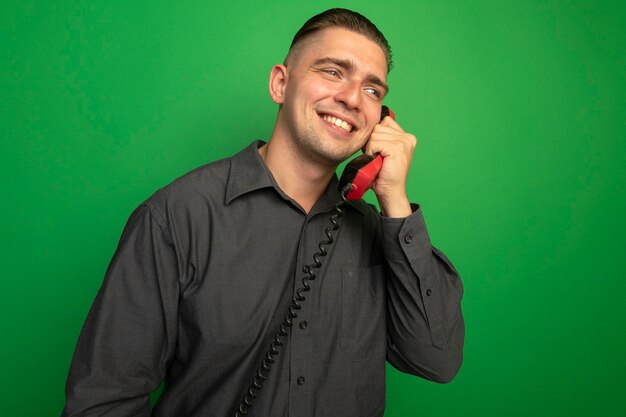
(350, 66)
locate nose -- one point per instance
(349, 94)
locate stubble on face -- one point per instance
(315, 97)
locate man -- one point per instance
(207, 267)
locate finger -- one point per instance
(389, 122)
(387, 140)
(383, 144)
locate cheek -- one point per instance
(317, 89)
(373, 116)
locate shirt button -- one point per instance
(408, 238)
(303, 324)
(429, 292)
(300, 380)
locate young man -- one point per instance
(207, 267)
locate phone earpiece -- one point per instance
(386, 111)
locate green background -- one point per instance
(519, 108)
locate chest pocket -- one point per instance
(363, 312)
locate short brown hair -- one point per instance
(347, 19)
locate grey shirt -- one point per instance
(201, 280)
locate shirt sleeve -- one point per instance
(130, 332)
(425, 325)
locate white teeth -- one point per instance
(338, 122)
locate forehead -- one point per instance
(342, 43)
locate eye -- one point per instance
(373, 92)
(332, 72)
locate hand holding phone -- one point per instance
(362, 171)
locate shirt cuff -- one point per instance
(405, 238)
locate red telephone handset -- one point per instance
(361, 172)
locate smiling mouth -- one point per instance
(338, 122)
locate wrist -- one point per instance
(395, 207)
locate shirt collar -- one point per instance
(248, 173)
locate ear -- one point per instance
(278, 81)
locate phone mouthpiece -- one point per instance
(360, 174)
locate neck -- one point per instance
(301, 179)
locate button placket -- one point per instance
(300, 336)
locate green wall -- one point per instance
(519, 107)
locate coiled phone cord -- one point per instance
(261, 374)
